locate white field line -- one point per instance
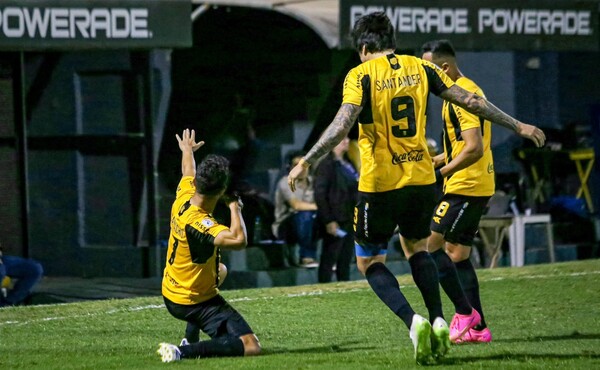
(246, 299)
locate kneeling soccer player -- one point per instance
(193, 270)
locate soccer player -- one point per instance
(467, 167)
(387, 93)
(191, 276)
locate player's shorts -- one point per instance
(377, 214)
(214, 317)
(457, 217)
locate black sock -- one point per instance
(450, 282)
(385, 285)
(216, 347)
(470, 284)
(425, 275)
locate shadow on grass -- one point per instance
(333, 348)
(521, 357)
(546, 338)
(524, 357)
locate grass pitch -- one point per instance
(541, 317)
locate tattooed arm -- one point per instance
(485, 109)
(332, 136)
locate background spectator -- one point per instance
(24, 274)
(296, 213)
(336, 187)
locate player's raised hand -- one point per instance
(532, 133)
(187, 140)
(195, 145)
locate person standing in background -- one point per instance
(336, 188)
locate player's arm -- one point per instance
(481, 107)
(334, 133)
(236, 237)
(471, 153)
(439, 160)
(188, 145)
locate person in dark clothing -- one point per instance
(26, 272)
(336, 188)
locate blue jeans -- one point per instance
(25, 271)
(305, 223)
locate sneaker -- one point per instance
(462, 323)
(420, 333)
(184, 342)
(440, 338)
(169, 352)
(309, 263)
(476, 336)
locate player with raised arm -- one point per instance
(193, 269)
(387, 94)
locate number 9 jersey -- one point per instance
(393, 92)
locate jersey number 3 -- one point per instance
(404, 107)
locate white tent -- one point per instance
(319, 15)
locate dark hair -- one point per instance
(212, 175)
(375, 32)
(440, 48)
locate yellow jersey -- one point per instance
(478, 178)
(393, 92)
(191, 274)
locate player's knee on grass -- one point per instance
(251, 345)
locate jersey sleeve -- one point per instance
(466, 119)
(438, 80)
(215, 228)
(186, 187)
(353, 87)
(201, 236)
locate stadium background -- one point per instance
(92, 143)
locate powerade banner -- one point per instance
(94, 24)
(501, 25)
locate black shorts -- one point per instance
(377, 214)
(214, 317)
(457, 217)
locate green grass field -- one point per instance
(542, 317)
